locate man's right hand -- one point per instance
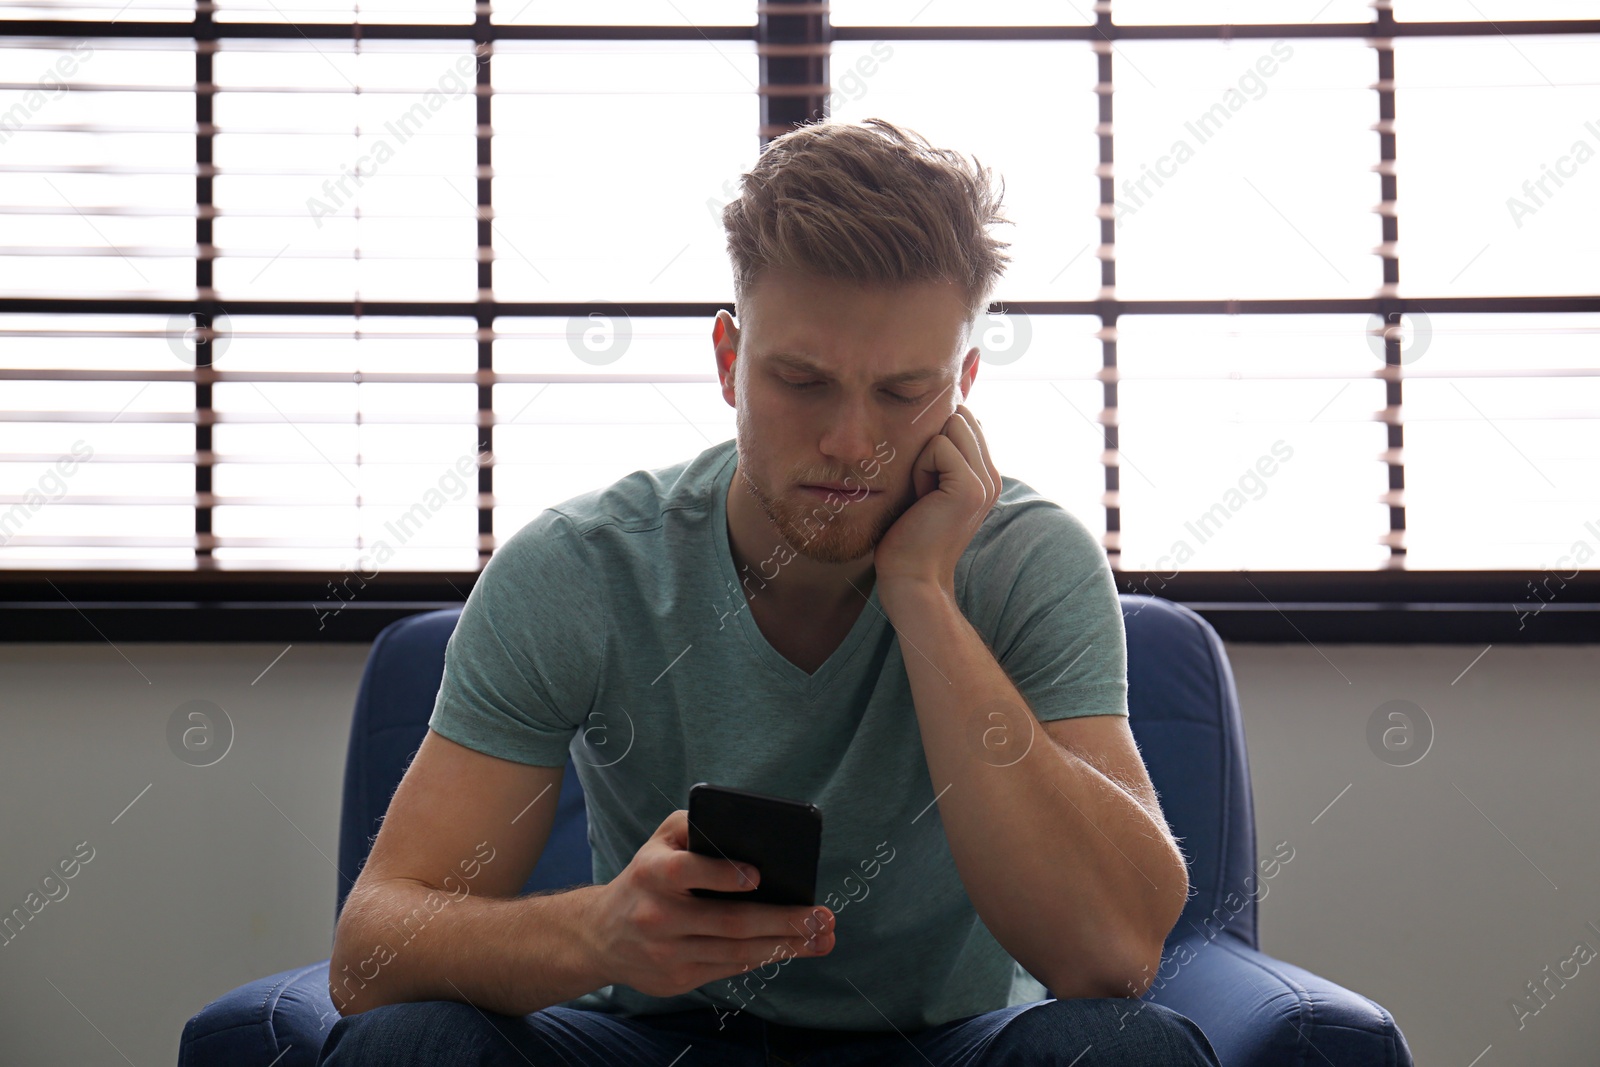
(651, 933)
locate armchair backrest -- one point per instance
(1183, 710)
(1184, 713)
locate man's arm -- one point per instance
(435, 913)
(1054, 827)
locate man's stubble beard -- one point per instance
(825, 532)
(836, 531)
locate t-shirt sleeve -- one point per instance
(1043, 594)
(522, 668)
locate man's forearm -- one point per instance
(1072, 875)
(405, 941)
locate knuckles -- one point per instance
(649, 916)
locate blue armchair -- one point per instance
(1257, 1011)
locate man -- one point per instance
(847, 605)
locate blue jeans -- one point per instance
(1072, 1033)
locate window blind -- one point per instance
(309, 288)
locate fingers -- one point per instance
(751, 953)
(712, 872)
(730, 921)
(969, 433)
(925, 469)
(808, 932)
(995, 484)
(817, 921)
(674, 829)
(673, 867)
(739, 920)
(964, 431)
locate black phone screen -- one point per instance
(781, 838)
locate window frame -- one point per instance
(235, 604)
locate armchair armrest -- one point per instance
(1261, 1012)
(280, 1021)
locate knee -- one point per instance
(1155, 1026)
(1107, 1032)
(418, 1032)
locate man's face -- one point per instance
(838, 383)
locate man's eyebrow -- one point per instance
(801, 364)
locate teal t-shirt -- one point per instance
(612, 627)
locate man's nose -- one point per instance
(852, 434)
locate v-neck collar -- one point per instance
(869, 620)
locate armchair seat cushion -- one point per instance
(1259, 1010)
(281, 1020)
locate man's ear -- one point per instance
(969, 370)
(725, 333)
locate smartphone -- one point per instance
(781, 838)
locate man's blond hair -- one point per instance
(869, 203)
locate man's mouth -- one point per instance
(851, 490)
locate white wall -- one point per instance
(1421, 886)
(1402, 889)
